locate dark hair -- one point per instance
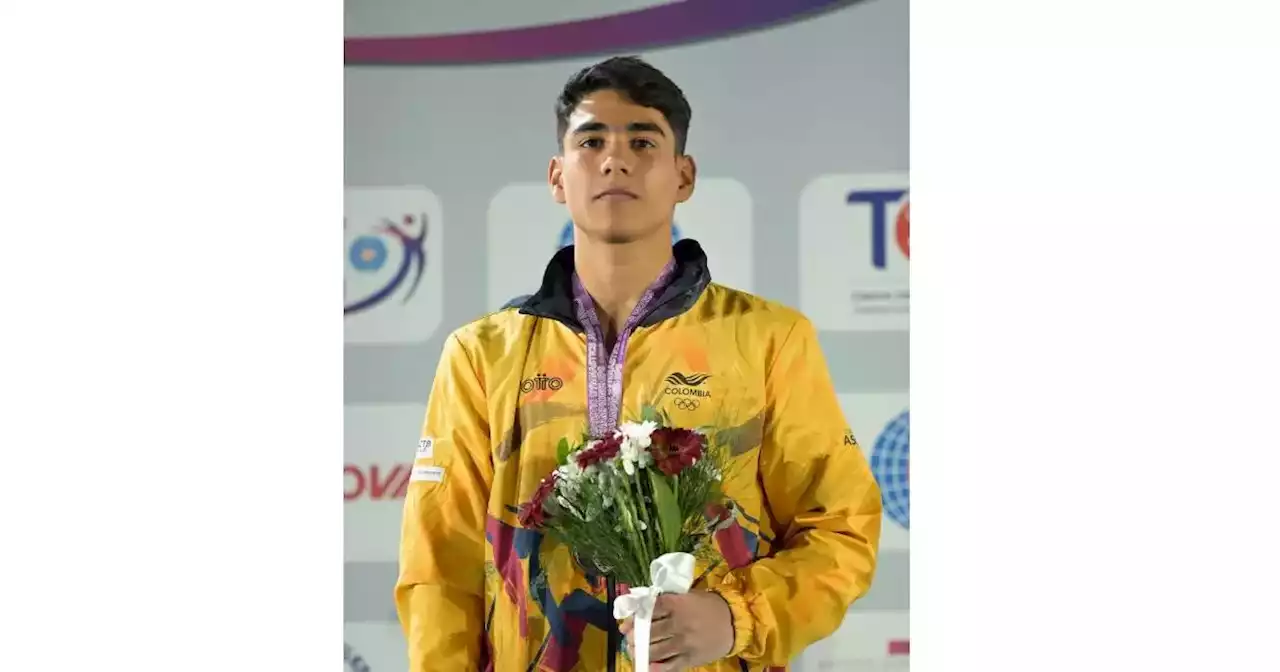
(638, 81)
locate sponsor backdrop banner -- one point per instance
(799, 127)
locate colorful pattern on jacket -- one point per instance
(476, 591)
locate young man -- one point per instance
(623, 318)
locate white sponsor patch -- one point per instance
(426, 447)
(429, 474)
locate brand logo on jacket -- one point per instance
(687, 389)
(542, 383)
(687, 386)
(689, 380)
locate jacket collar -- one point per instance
(554, 299)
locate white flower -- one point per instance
(635, 443)
(638, 432)
(571, 476)
(630, 455)
(570, 470)
(570, 507)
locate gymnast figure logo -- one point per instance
(385, 261)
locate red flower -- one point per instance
(532, 514)
(607, 448)
(675, 449)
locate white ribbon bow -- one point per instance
(671, 573)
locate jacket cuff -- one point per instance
(730, 589)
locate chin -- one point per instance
(618, 232)
(619, 235)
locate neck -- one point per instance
(616, 275)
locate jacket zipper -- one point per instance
(613, 631)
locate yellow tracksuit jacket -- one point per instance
(478, 592)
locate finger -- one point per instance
(627, 626)
(674, 664)
(664, 629)
(664, 606)
(667, 649)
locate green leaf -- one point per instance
(668, 511)
(650, 414)
(562, 452)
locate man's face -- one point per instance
(620, 175)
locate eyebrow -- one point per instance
(633, 127)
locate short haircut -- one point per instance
(635, 79)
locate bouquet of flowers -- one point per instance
(633, 506)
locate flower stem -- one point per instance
(650, 526)
(633, 539)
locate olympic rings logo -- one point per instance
(687, 404)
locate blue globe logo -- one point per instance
(891, 462)
(368, 254)
(566, 234)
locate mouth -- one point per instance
(616, 193)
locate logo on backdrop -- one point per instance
(370, 266)
(375, 482)
(881, 202)
(566, 234)
(890, 462)
(855, 238)
(392, 292)
(665, 24)
(352, 661)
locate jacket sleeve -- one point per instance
(823, 502)
(439, 594)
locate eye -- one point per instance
(592, 143)
(643, 143)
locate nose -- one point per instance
(617, 158)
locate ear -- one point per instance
(688, 169)
(555, 173)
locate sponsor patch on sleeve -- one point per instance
(426, 447)
(849, 439)
(427, 474)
